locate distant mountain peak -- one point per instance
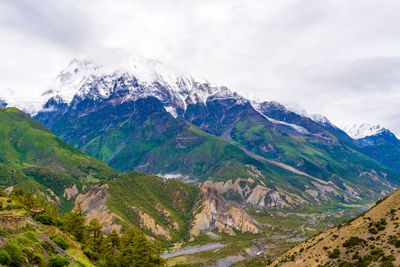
(359, 131)
(136, 78)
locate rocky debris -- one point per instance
(93, 204)
(12, 222)
(57, 199)
(147, 222)
(8, 190)
(71, 192)
(212, 211)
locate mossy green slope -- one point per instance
(31, 156)
(331, 158)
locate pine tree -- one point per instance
(75, 223)
(95, 236)
(112, 249)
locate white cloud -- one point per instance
(335, 57)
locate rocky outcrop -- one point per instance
(93, 204)
(252, 194)
(12, 222)
(212, 211)
(69, 193)
(8, 190)
(148, 223)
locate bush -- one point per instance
(387, 264)
(45, 219)
(15, 253)
(353, 241)
(377, 252)
(89, 253)
(334, 254)
(60, 241)
(37, 259)
(48, 247)
(58, 261)
(5, 259)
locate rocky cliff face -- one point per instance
(212, 211)
(93, 204)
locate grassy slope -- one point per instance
(315, 157)
(31, 156)
(144, 191)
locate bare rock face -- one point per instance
(71, 192)
(147, 222)
(93, 204)
(8, 190)
(212, 211)
(252, 194)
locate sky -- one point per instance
(338, 58)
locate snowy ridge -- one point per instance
(138, 78)
(358, 131)
(134, 78)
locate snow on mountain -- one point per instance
(358, 131)
(138, 78)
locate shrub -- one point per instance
(60, 241)
(48, 247)
(89, 253)
(353, 241)
(37, 259)
(31, 235)
(5, 259)
(15, 253)
(377, 252)
(45, 219)
(58, 261)
(334, 254)
(387, 264)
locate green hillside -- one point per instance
(329, 158)
(32, 157)
(153, 196)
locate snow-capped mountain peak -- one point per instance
(359, 131)
(136, 77)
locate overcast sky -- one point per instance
(339, 58)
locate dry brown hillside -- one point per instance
(371, 239)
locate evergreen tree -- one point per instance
(95, 236)
(136, 250)
(75, 223)
(112, 249)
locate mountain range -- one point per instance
(184, 160)
(143, 116)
